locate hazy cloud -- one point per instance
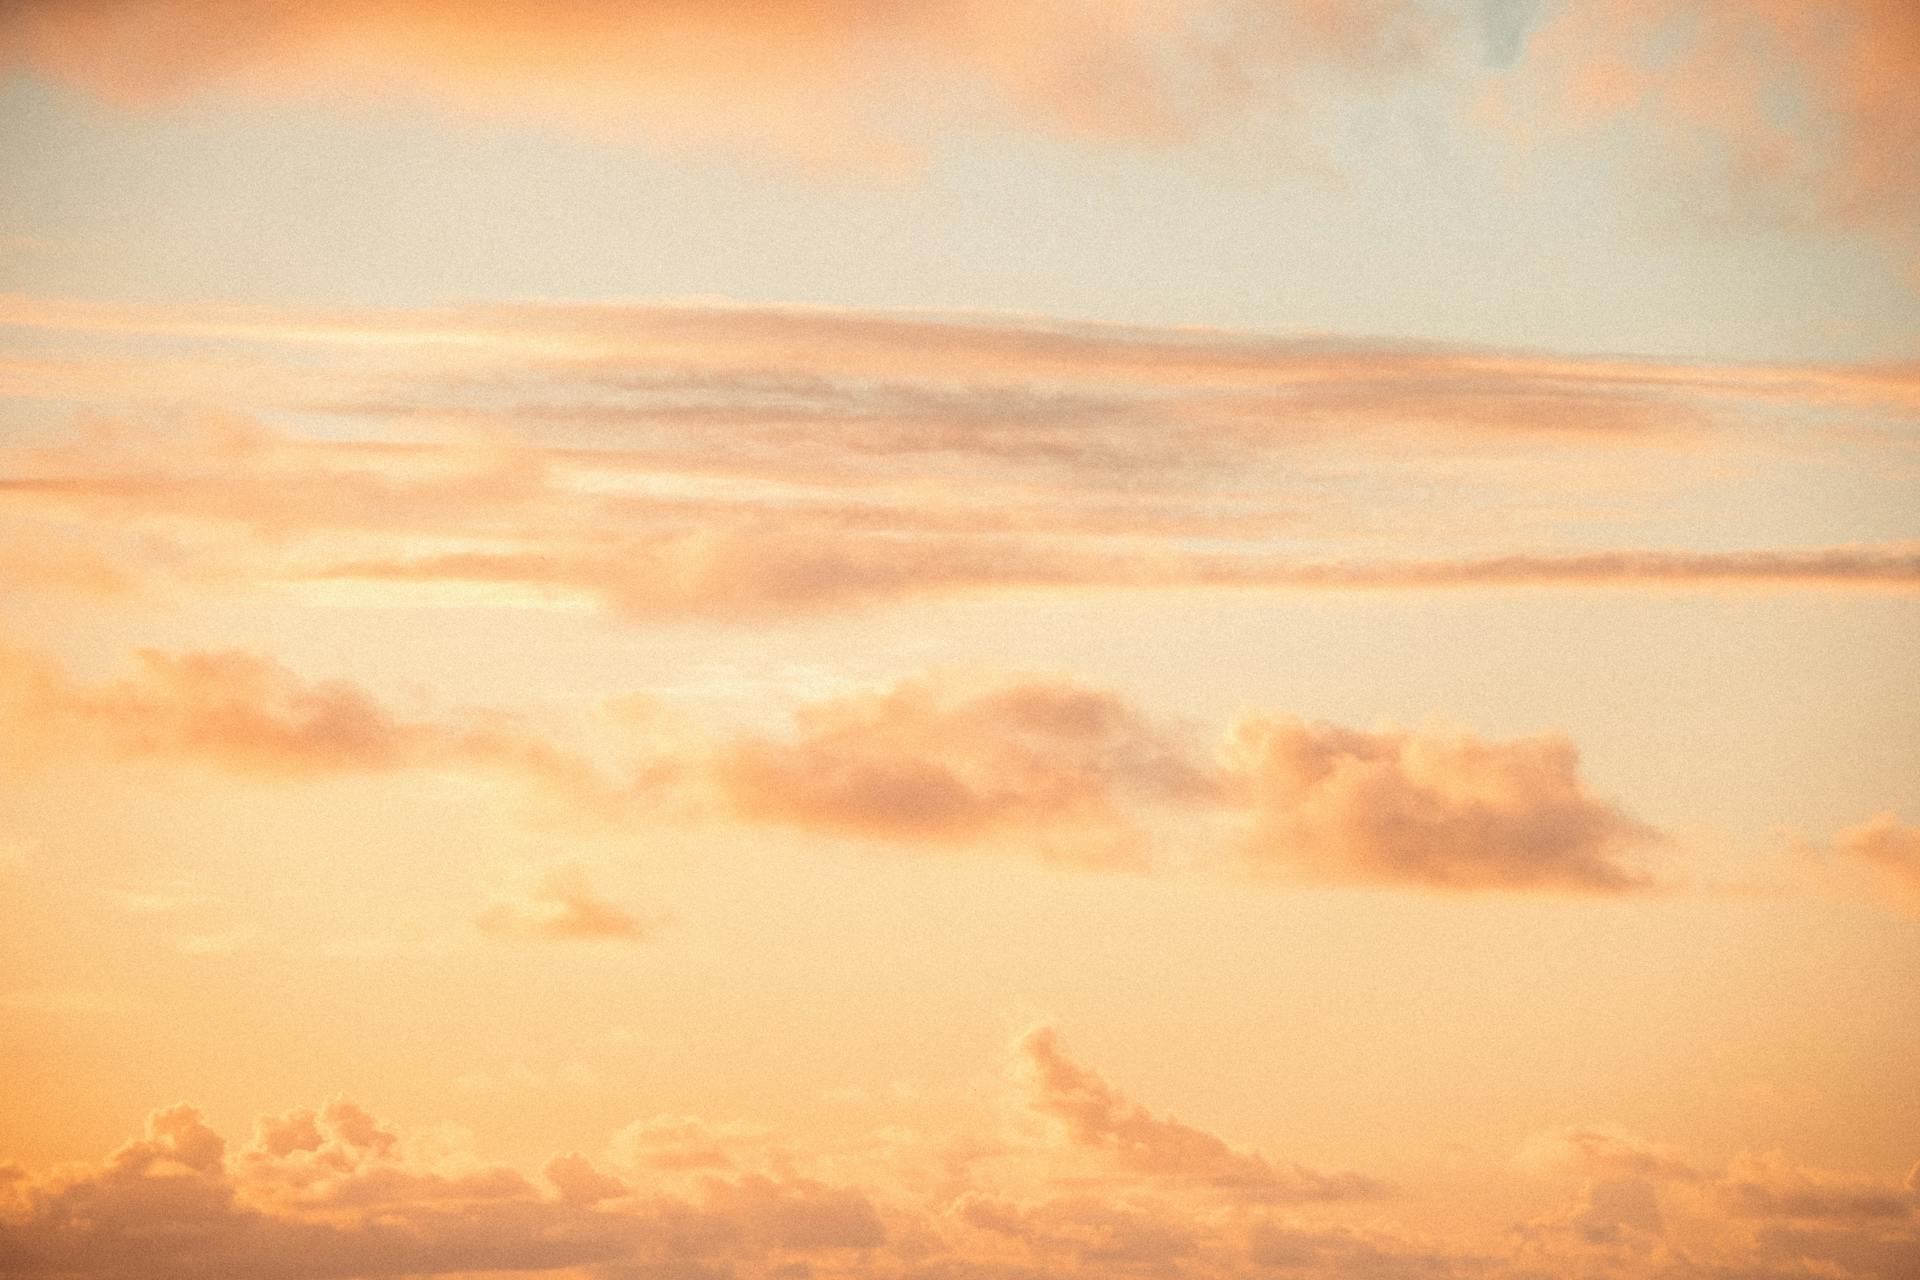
(1888, 852)
(561, 906)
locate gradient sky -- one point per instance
(1195, 639)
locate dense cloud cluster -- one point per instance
(334, 1194)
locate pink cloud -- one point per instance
(1439, 810)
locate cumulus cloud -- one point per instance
(1039, 767)
(561, 906)
(1055, 765)
(1764, 1214)
(1443, 810)
(1097, 1118)
(334, 1193)
(1070, 774)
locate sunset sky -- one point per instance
(960, 639)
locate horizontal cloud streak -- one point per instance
(1038, 767)
(756, 463)
(759, 463)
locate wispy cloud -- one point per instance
(755, 464)
(561, 906)
(815, 81)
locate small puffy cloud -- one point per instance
(1097, 1118)
(1055, 768)
(562, 906)
(1438, 810)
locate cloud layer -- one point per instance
(758, 464)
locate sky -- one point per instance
(960, 640)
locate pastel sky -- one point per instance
(960, 640)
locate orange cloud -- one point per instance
(1758, 1215)
(1054, 766)
(759, 574)
(1444, 811)
(1889, 851)
(344, 1197)
(332, 1193)
(1772, 1186)
(1095, 1117)
(1037, 767)
(761, 463)
(1599, 1151)
(809, 78)
(561, 906)
(1811, 112)
(248, 713)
